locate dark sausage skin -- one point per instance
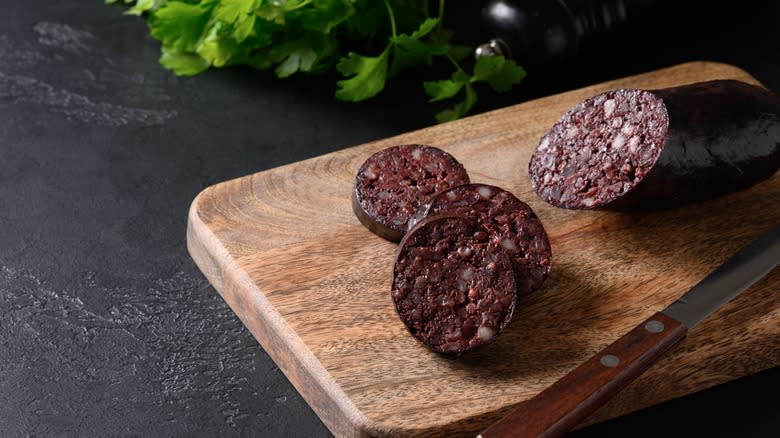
(635, 149)
(392, 184)
(453, 286)
(510, 222)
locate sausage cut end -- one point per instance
(600, 149)
(392, 184)
(453, 287)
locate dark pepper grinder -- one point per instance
(543, 34)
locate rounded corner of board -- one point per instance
(198, 200)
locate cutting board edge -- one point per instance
(268, 327)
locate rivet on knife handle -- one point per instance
(570, 400)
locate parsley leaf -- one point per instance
(230, 11)
(179, 25)
(425, 28)
(215, 49)
(298, 60)
(304, 54)
(370, 74)
(244, 27)
(411, 50)
(447, 88)
(142, 6)
(183, 64)
(443, 89)
(500, 73)
(460, 109)
(325, 15)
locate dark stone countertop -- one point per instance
(107, 328)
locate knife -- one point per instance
(571, 399)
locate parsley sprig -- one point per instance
(312, 36)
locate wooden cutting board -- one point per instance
(287, 254)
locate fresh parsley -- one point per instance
(367, 41)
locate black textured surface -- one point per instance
(106, 326)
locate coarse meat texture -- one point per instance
(511, 223)
(600, 149)
(392, 184)
(453, 287)
(634, 149)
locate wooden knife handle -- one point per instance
(571, 399)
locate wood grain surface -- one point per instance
(313, 285)
(567, 402)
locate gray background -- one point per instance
(107, 328)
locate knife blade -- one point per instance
(571, 399)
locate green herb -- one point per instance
(316, 36)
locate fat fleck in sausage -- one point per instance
(510, 222)
(394, 182)
(647, 149)
(453, 286)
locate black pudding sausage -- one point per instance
(632, 149)
(392, 184)
(453, 286)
